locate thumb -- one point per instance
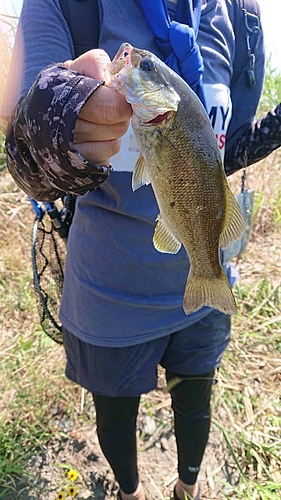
(93, 64)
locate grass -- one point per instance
(248, 396)
(35, 394)
(246, 404)
(249, 392)
(272, 89)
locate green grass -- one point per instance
(272, 89)
(249, 393)
(26, 398)
(34, 393)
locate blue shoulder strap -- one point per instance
(82, 17)
(177, 40)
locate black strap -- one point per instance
(82, 17)
(247, 31)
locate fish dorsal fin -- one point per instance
(163, 240)
(140, 174)
(234, 225)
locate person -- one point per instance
(121, 308)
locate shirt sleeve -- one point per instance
(41, 156)
(261, 138)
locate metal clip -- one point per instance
(251, 19)
(252, 24)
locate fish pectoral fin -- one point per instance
(163, 240)
(234, 225)
(215, 293)
(140, 174)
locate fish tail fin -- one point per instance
(213, 292)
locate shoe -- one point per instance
(198, 496)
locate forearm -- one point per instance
(261, 139)
(41, 156)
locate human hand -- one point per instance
(105, 117)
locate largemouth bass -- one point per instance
(179, 156)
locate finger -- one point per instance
(99, 152)
(93, 63)
(106, 106)
(87, 131)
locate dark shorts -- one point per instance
(132, 371)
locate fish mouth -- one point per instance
(159, 118)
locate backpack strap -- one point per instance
(247, 30)
(82, 17)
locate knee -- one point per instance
(116, 411)
(191, 395)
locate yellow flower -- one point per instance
(60, 495)
(72, 475)
(72, 491)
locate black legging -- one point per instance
(116, 427)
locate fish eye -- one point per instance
(147, 64)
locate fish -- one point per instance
(180, 158)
